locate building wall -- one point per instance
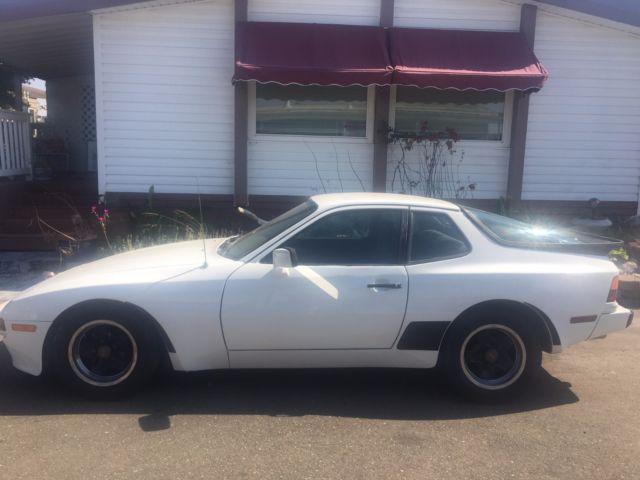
(482, 163)
(351, 12)
(457, 14)
(165, 104)
(66, 116)
(165, 99)
(584, 125)
(310, 165)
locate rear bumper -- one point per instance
(619, 319)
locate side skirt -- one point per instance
(381, 358)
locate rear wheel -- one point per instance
(491, 357)
(106, 355)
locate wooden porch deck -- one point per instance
(37, 215)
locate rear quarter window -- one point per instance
(435, 236)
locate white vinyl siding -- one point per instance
(164, 98)
(310, 165)
(303, 167)
(351, 12)
(164, 102)
(485, 163)
(457, 14)
(583, 136)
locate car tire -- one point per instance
(105, 355)
(491, 357)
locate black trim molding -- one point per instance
(423, 336)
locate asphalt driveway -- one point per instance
(580, 421)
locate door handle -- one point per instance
(385, 286)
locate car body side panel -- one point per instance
(313, 308)
(188, 309)
(562, 286)
(175, 287)
(382, 358)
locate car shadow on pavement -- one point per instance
(355, 393)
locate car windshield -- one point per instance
(515, 232)
(238, 248)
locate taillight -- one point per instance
(613, 292)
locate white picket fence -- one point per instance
(15, 144)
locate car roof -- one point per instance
(332, 200)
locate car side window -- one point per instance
(351, 237)
(435, 236)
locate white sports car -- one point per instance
(342, 280)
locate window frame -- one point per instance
(404, 239)
(253, 136)
(435, 259)
(506, 120)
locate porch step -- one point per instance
(13, 263)
(30, 225)
(25, 242)
(56, 201)
(47, 212)
(22, 232)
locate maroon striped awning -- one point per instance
(312, 54)
(464, 60)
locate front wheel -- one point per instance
(491, 358)
(105, 356)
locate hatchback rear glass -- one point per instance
(520, 234)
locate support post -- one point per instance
(381, 114)
(241, 119)
(520, 117)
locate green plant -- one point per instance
(619, 255)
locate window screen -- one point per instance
(311, 110)
(474, 115)
(435, 236)
(353, 237)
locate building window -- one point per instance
(474, 115)
(311, 110)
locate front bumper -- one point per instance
(618, 319)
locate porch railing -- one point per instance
(15, 144)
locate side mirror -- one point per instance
(284, 258)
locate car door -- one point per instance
(348, 290)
